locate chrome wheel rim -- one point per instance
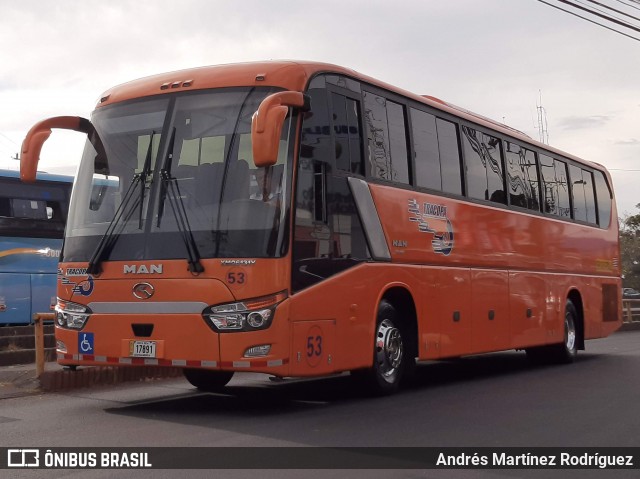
(389, 350)
(570, 333)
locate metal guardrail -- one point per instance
(630, 310)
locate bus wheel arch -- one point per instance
(402, 300)
(394, 343)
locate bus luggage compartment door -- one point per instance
(43, 293)
(15, 298)
(313, 348)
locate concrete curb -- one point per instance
(21, 380)
(65, 379)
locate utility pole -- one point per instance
(543, 132)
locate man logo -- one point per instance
(143, 290)
(142, 269)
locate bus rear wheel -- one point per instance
(389, 354)
(207, 380)
(561, 353)
(566, 351)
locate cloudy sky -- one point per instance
(494, 57)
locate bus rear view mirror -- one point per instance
(266, 125)
(40, 132)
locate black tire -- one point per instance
(566, 352)
(207, 380)
(389, 354)
(561, 353)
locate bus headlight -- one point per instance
(247, 315)
(71, 315)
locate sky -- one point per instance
(498, 58)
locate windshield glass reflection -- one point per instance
(189, 153)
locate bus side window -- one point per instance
(522, 177)
(387, 138)
(589, 197)
(316, 157)
(603, 200)
(484, 166)
(345, 116)
(555, 187)
(5, 207)
(428, 172)
(577, 190)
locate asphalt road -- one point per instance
(495, 400)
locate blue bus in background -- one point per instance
(32, 220)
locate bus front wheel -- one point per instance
(389, 353)
(207, 380)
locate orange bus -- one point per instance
(302, 219)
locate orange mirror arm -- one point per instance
(38, 134)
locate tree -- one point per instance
(630, 250)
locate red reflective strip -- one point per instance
(259, 364)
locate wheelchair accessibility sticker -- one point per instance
(85, 343)
(433, 219)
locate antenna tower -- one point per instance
(543, 132)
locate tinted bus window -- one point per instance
(425, 142)
(589, 196)
(483, 160)
(577, 188)
(346, 130)
(604, 200)
(387, 139)
(522, 177)
(33, 210)
(449, 146)
(555, 184)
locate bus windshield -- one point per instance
(177, 167)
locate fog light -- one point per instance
(60, 346)
(257, 351)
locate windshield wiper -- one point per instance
(170, 188)
(124, 210)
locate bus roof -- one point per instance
(41, 176)
(294, 76)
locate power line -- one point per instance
(627, 5)
(601, 15)
(2, 134)
(606, 14)
(589, 20)
(613, 9)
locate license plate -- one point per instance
(142, 349)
